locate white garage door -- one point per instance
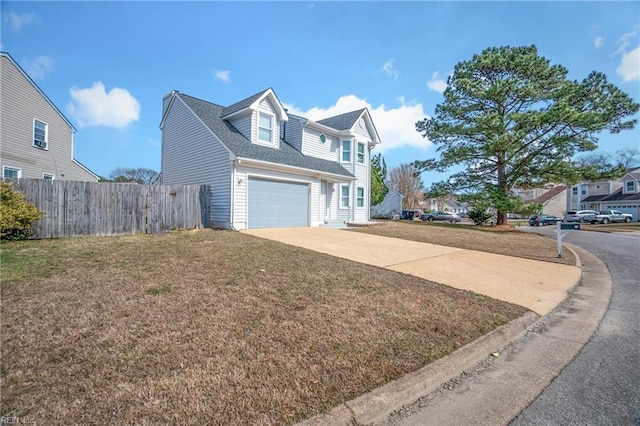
(276, 204)
(632, 210)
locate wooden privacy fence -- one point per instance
(74, 208)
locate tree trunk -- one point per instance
(502, 218)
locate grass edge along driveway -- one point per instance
(215, 327)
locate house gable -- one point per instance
(37, 139)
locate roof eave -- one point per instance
(286, 167)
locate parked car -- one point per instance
(543, 219)
(610, 216)
(440, 216)
(411, 214)
(581, 216)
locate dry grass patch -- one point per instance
(500, 240)
(212, 327)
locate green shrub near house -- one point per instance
(16, 214)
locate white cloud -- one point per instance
(629, 67)
(387, 68)
(598, 42)
(626, 39)
(222, 75)
(396, 126)
(436, 84)
(19, 21)
(95, 107)
(38, 67)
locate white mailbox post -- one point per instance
(560, 235)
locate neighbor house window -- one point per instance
(265, 128)
(574, 191)
(48, 176)
(40, 134)
(631, 186)
(346, 152)
(360, 197)
(360, 153)
(11, 173)
(344, 196)
(584, 191)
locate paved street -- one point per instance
(602, 385)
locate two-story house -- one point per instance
(622, 194)
(268, 168)
(36, 139)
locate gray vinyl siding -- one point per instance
(191, 155)
(293, 132)
(21, 103)
(243, 124)
(312, 146)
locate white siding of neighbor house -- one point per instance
(243, 124)
(243, 174)
(265, 106)
(191, 155)
(21, 103)
(312, 146)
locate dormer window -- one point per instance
(265, 128)
(631, 186)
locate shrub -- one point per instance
(479, 215)
(16, 214)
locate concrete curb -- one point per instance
(375, 406)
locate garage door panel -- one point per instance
(277, 204)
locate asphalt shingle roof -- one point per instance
(343, 121)
(619, 196)
(237, 143)
(245, 103)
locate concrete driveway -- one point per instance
(536, 285)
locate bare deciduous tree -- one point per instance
(406, 180)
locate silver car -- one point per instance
(441, 216)
(582, 216)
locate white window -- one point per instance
(345, 155)
(40, 134)
(11, 172)
(265, 128)
(583, 191)
(48, 176)
(631, 186)
(360, 197)
(360, 153)
(344, 196)
(574, 190)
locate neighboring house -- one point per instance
(268, 168)
(452, 204)
(553, 201)
(390, 205)
(622, 194)
(36, 139)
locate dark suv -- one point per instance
(543, 219)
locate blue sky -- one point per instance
(107, 65)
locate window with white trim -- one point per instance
(360, 197)
(345, 151)
(344, 196)
(574, 190)
(48, 176)
(360, 153)
(40, 134)
(11, 172)
(265, 127)
(630, 186)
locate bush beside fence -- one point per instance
(75, 208)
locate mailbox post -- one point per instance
(560, 235)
